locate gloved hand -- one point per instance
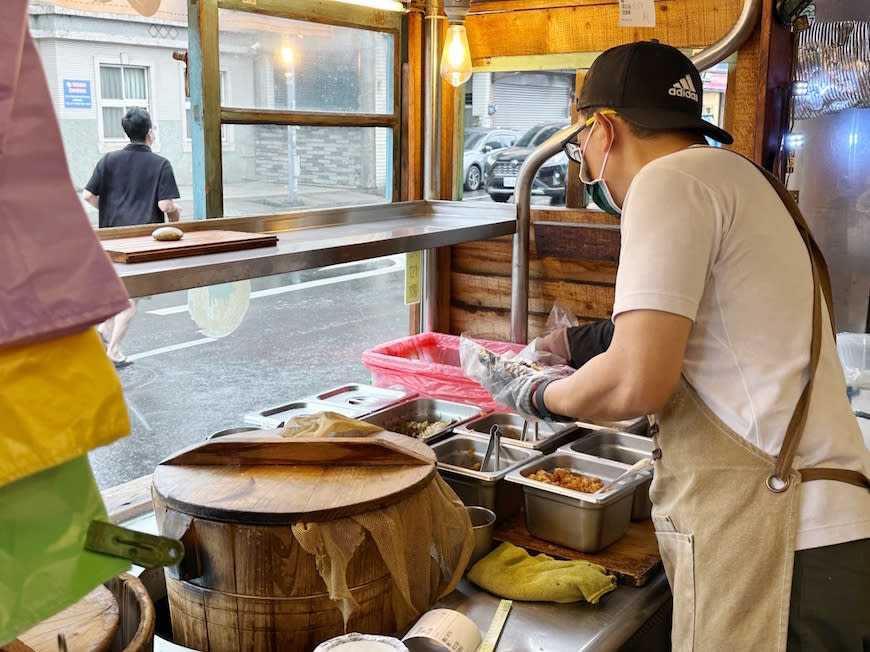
(510, 383)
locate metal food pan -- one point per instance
(275, 417)
(577, 520)
(363, 398)
(625, 448)
(549, 435)
(414, 412)
(458, 455)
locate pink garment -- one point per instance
(55, 278)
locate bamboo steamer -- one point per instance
(246, 583)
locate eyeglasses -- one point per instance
(573, 150)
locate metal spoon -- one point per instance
(637, 467)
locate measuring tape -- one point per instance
(495, 626)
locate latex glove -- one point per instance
(510, 383)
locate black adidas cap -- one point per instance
(652, 84)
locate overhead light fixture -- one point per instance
(456, 57)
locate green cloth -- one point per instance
(510, 572)
(44, 567)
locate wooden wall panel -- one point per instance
(481, 272)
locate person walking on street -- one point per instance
(722, 328)
(131, 186)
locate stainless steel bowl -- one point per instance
(625, 448)
(583, 521)
(546, 438)
(459, 463)
(417, 411)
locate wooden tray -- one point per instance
(144, 248)
(633, 559)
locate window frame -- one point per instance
(228, 134)
(110, 144)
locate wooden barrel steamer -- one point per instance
(246, 583)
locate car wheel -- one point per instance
(472, 178)
(500, 198)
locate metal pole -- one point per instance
(431, 154)
(290, 77)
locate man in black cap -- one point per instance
(721, 319)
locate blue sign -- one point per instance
(77, 93)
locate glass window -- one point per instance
(275, 168)
(121, 88)
(278, 63)
(209, 359)
(226, 130)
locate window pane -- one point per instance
(203, 359)
(134, 84)
(112, 122)
(110, 83)
(336, 166)
(338, 69)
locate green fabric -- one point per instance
(510, 572)
(44, 568)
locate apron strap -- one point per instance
(821, 284)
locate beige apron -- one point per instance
(726, 512)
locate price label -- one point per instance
(637, 13)
(413, 277)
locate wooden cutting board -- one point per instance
(144, 248)
(275, 481)
(633, 559)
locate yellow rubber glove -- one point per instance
(510, 572)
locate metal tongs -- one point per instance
(637, 467)
(494, 446)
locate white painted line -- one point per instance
(171, 347)
(293, 288)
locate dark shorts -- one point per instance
(830, 599)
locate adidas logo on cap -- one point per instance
(684, 88)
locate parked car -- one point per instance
(478, 144)
(503, 166)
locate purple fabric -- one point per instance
(55, 278)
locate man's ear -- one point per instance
(608, 129)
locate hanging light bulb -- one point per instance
(456, 58)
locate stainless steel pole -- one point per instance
(431, 153)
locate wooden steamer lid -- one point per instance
(259, 478)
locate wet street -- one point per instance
(300, 334)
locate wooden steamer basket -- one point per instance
(246, 583)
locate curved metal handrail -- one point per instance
(704, 59)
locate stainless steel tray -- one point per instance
(365, 399)
(458, 455)
(274, 417)
(549, 435)
(582, 521)
(416, 411)
(620, 447)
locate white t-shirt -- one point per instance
(705, 235)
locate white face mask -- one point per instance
(598, 189)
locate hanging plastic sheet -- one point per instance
(60, 399)
(55, 277)
(44, 519)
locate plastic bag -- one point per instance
(538, 351)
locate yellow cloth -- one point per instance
(327, 424)
(510, 572)
(61, 398)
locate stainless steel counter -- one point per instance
(533, 626)
(317, 238)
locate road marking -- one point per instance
(293, 288)
(171, 347)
